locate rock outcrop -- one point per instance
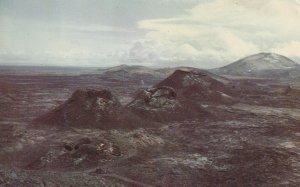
(159, 104)
(162, 104)
(162, 98)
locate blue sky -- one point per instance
(99, 33)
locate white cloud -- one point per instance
(222, 31)
(291, 49)
(203, 33)
(93, 28)
(56, 43)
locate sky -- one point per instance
(102, 33)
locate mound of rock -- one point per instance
(162, 98)
(85, 108)
(162, 104)
(155, 103)
(198, 86)
(81, 152)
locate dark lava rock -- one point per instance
(162, 104)
(81, 152)
(85, 108)
(200, 86)
(76, 145)
(162, 98)
(68, 147)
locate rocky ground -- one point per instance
(253, 140)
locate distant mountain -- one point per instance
(151, 75)
(127, 69)
(138, 74)
(269, 65)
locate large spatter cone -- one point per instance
(198, 86)
(85, 108)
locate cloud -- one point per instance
(291, 49)
(93, 28)
(203, 33)
(218, 32)
(40, 41)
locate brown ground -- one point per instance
(252, 142)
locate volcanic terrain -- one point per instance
(187, 127)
